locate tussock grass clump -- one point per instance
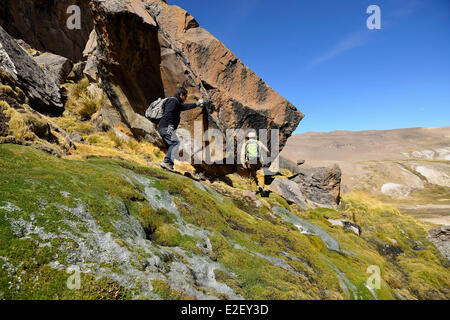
(18, 123)
(109, 144)
(82, 101)
(101, 139)
(89, 105)
(79, 88)
(73, 124)
(4, 105)
(6, 90)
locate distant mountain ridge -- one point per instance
(420, 143)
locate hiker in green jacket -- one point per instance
(251, 157)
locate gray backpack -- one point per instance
(156, 109)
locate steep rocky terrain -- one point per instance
(80, 190)
(142, 50)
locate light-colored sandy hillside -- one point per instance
(408, 167)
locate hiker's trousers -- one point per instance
(171, 141)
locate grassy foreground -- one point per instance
(137, 232)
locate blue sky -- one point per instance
(321, 56)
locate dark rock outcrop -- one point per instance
(389, 250)
(38, 85)
(440, 237)
(321, 186)
(127, 58)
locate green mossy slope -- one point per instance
(142, 233)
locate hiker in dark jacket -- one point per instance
(170, 121)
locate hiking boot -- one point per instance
(167, 166)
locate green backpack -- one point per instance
(252, 150)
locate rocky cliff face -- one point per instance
(142, 50)
(43, 25)
(20, 67)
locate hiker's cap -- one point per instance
(252, 135)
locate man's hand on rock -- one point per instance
(200, 103)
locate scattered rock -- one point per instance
(58, 66)
(440, 237)
(75, 137)
(347, 225)
(320, 186)
(289, 190)
(418, 246)
(249, 194)
(91, 45)
(121, 135)
(24, 45)
(392, 242)
(389, 250)
(77, 72)
(91, 69)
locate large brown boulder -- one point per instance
(141, 50)
(240, 98)
(38, 85)
(127, 57)
(148, 48)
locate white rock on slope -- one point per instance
(434, 176)
(396, 190)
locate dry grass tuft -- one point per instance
(17, 125)
(82, 101)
